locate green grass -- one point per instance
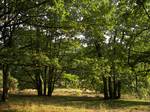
(71, 101)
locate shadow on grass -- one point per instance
(75, 101)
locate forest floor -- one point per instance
(71, 100)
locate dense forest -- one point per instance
(97, 45)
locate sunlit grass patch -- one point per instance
(66, 101)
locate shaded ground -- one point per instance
(71, 103)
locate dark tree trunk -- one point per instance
(119, 89)
(38, 72)
(113, 67)
(45, 73)
(110, 87)
(5, 82)
(115, 89)
(114, 84)
(50, 88)
(105, 88)
(136, 83)
(5, 67)
(50, 81)
(39, 84)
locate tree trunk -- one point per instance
(50, 81)
(115, 88)
(119, 89)
(136, 85)
(5, 82)
(114, 94)
(45, 73)
(39, 84)
(105, 88)
(50, 88)
(110, 87)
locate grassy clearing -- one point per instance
(64, 100)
